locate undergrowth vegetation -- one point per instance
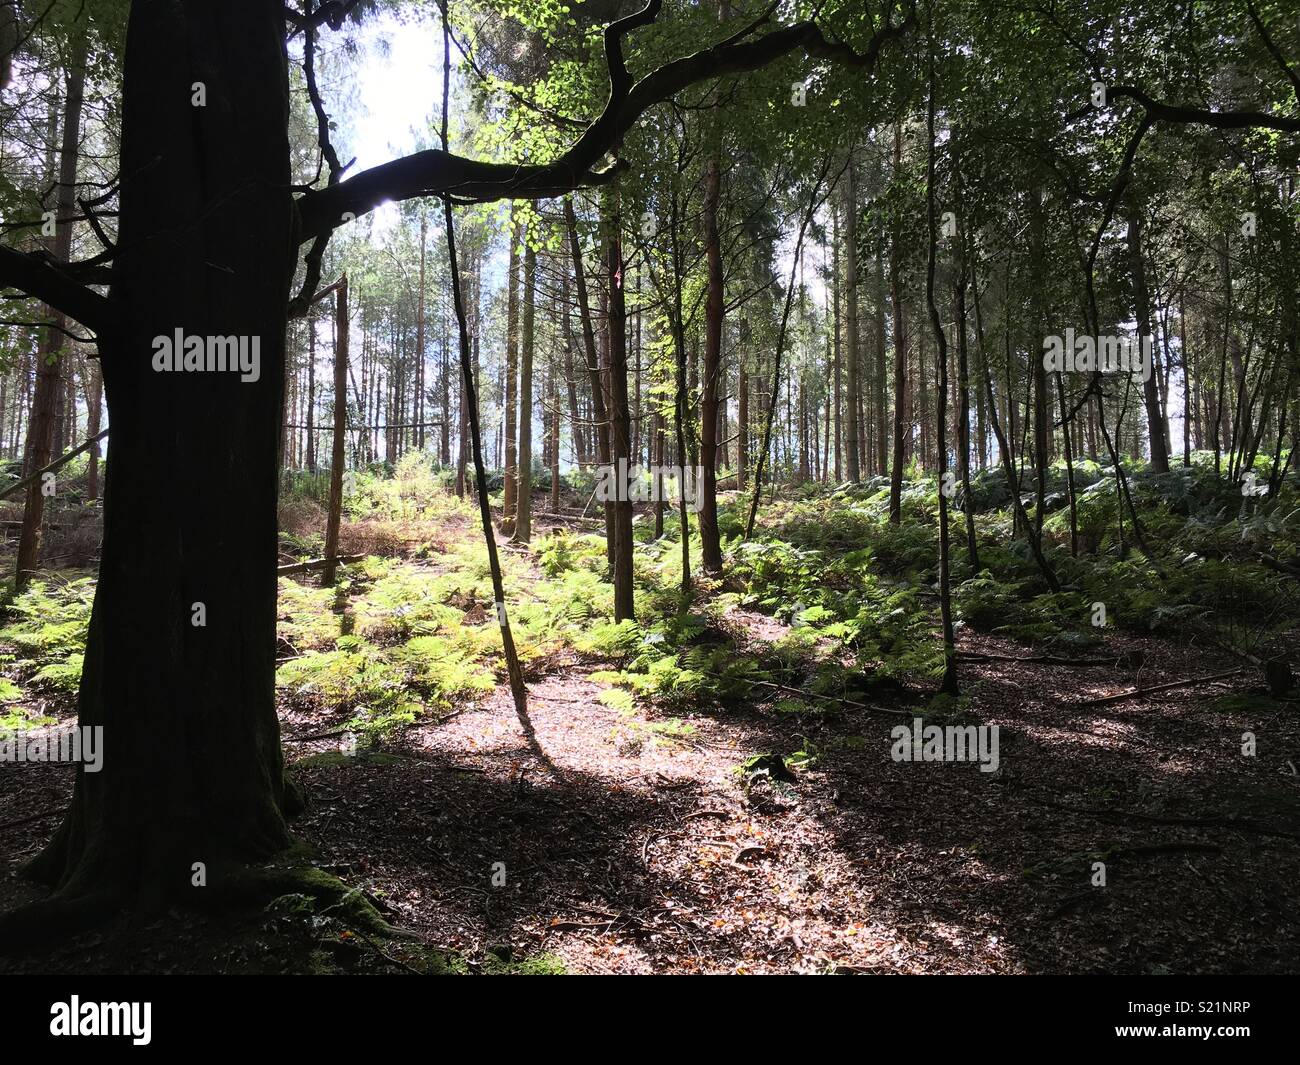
(411, 636)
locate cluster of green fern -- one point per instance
(41, 649)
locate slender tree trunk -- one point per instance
(310, 420)
(1004, 451)
(837, 365)
(742, 408)
(419, 337)
(963, 396)
(710, 543)
(658, 441)
(599, 406)
(619, 421)
(92, 430)
(681, 396)
(553, 420)
(901, 429)
(1226, 268)
(582, 453)
(852, 355)
(523, 514)
(4, 411)
(338, 455)
(1142, 310)
(766, 446)
(445, 374)
(949, 682)
(46, 395)
(514, 670)
(1039, 370)
(510, 485)
(1186, 357)
(882, 410)
(463, 445)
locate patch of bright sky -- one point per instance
(398, 96)
(396, 105)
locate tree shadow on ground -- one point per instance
(672, 861)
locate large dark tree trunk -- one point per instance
(192, 763)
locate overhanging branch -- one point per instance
(38, 277)
(435, 172)
(1180, 114)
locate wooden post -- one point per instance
(340, 427)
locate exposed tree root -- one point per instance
(47, 921)
(293, 874)
(227, 887)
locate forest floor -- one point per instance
(634, 841)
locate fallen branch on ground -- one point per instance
(317, 736)
(1134, 692)
(316, 563)
(1048, 660)
(835, 699)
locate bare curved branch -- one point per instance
(1180, 114)
(435, 172)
